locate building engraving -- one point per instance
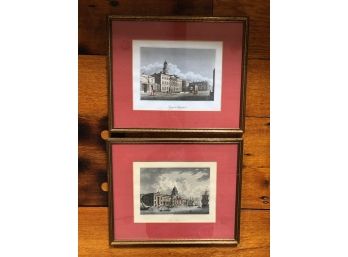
(174, 192)
(166, 202)
(165, 86)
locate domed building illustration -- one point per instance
(175, 190)
(159, 200)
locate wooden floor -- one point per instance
(93, 222)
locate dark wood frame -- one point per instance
(234, 132)
(238, 141)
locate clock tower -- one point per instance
(165, 67)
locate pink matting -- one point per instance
(123, 156)
(231, 34)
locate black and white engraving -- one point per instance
(177, 74)
(179, 190)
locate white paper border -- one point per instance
(159, 105)
(167, 218)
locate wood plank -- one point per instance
(93, 238)
(93, 120)
(259, 22)
(92, 17)
(256, 143)
(255, 188)
(258, 88)
(93, 87)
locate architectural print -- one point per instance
(187, 189)
(171, 202)
(165, 86)
(177, 75)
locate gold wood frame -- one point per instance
(238, 141)
(232, 132)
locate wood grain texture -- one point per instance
(257, 89)
(256, 143)
(255, 187)
(93, 221)
(93, 238)
(93, 120)
(259, 22)
(255, 181)
(92, 17)
(93, 87)
(93, 13)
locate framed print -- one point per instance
(171, 191)
(177, 73)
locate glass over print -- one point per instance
(177, 73)
(174, 192)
